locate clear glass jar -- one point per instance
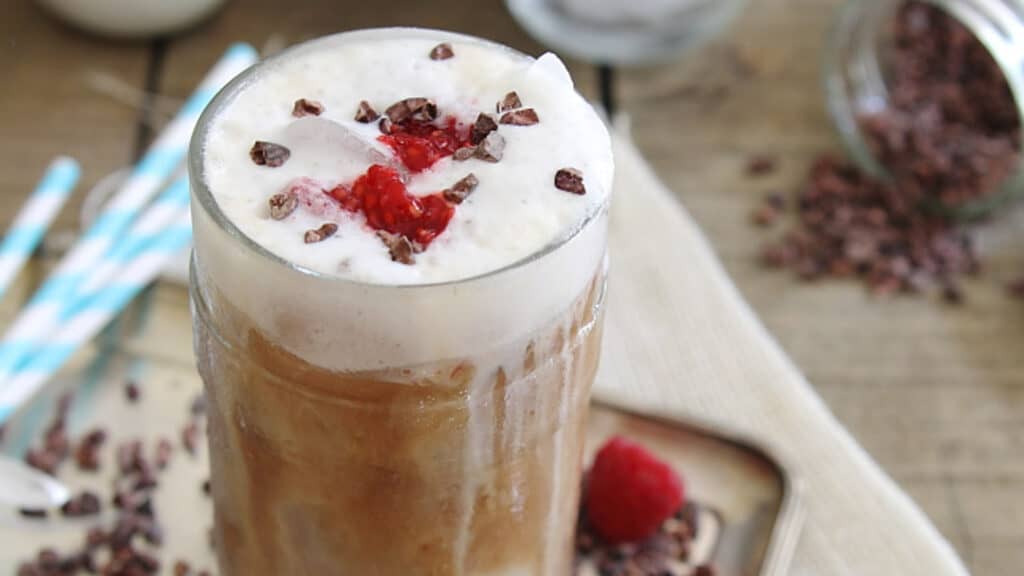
(855, 79)
(624, 33)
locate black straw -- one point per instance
(606, 87)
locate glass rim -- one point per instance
(203, 197)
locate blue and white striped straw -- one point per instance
(35, 217)
(85, 317)
(158, 216)
(164, 210)
(162, 158)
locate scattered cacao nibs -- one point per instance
(663, 554)
(399, 247)
(461, 189)
(760, 165)
(509, 102)
(483, 126)
(850, 225)
(769, 211)
(418, 109)
(42, 460)
(206, 487)
(306, 107)
(385, 125)
(131, 391)
(84, 504)
(115, 551)
(55, 446)
(164, 449)
(56, 442)
(37, 513)
(129, 457)
(1016, 288)
(320, 234)
(182, 568)
(491, 148)
(570, 180)
(365, 113)
(282, 205)
(952, 293)
(190, 433)
(269, 154)
(523, 117)
(95, 537)
(442, 51)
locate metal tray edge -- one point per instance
(786, 531)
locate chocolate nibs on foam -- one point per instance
(365, 113)
(483, 126)
(442, 51)
(405, 121)
(461, 189)
(306, 107)
(320, 234)
(269, 154)
(400, 248)
(282, 205)
(491, 148)
(570, 180)
(417, 109)
(523, 117)
(511, 101)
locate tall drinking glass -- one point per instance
(372, 429)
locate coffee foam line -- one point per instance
(349, 326)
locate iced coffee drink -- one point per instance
(398, 281)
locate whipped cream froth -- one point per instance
(514, 212)
(515, 255)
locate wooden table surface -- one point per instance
(935, 393)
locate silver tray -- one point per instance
(750, 513)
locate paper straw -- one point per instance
(35, 217)
(162, 158)
(84, 319)
(158, 216)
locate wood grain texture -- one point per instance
(49, 107)
(936, 394)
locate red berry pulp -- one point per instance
(420, 144)
(383, 198)
(630, 492)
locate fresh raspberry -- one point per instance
(382, 197)
(420, 144)
(630, 492)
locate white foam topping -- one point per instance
(391, 314)
(514, 212)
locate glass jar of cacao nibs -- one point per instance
(928, 97)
